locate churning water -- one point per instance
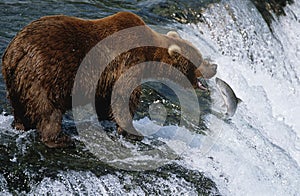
(256, 152)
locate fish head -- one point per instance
(229, 97)
(220, 83)
(222, 86)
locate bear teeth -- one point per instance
(201, 86)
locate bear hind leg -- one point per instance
(17, 124)
(49, 128)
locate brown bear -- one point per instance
(40, 64)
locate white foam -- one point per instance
(258, 153)
(87, 183)
(3, 184)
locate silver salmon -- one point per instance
(229, 97)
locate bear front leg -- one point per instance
(131, 136)
(50, 130)
(130, 132)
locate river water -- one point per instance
(256, 152)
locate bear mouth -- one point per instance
(202, 84)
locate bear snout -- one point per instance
(214, 67)
(208, 70)
(212, 71)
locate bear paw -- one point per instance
(129, 136)
(61, 141)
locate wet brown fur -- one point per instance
(40, 64)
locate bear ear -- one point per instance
(174, 48)
(173, 34)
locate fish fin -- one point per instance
(239, 100)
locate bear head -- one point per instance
(189, 60)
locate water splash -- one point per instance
(258, 152)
